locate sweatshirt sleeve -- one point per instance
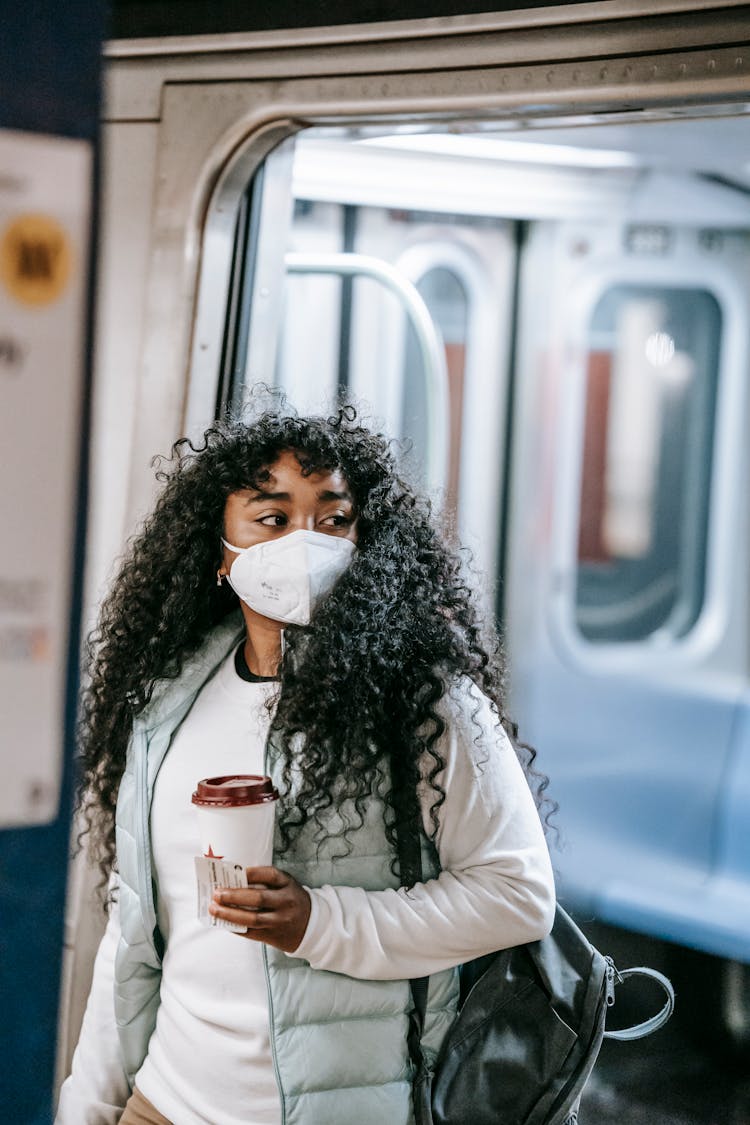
(495, 888)
(97, 1088)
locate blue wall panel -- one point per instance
(49, 83)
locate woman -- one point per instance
(289, 609)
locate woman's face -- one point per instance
(286, 502)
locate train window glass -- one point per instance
(348, 328)
(653, 360)
(445, 295)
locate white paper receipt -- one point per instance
(211, 873)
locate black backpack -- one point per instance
(527, 1034)
(528, 1030)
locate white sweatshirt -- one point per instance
(209, 1059)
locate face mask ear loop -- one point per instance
(230, 547)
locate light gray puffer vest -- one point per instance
(339, 1044)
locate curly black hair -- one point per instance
(360, 683)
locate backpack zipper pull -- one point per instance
(612, 977)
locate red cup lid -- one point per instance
(235, 790)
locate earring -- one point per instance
(219, 578)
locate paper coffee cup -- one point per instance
(236, 818)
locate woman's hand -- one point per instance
(275, 907)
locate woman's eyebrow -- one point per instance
(328, 494)
(260, 497)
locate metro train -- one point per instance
(520, 240)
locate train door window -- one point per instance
(344, 315)
(354, 291)
(652, 372)
(444, 293)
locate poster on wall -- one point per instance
(45, 193)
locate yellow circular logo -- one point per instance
(35, 259)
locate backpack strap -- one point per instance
(410, 867)
(416, 1021)
(639, 1030)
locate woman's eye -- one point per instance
(276, 519)
(338, 520)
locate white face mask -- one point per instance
(285, 578)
